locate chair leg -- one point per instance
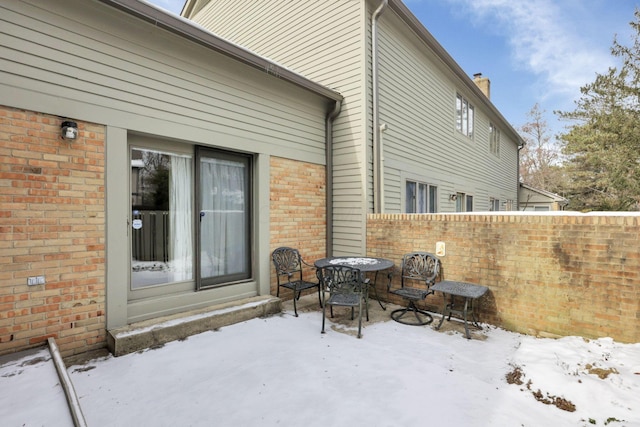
(360, 319)
(366, 305)
(295, 307)
(324, 309)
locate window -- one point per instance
(494, 205)
(464, 202)
(464, 116)
(421, 197)
(161, 206)
(494, 140)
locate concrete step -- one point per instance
(157, 332)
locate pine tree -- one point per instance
(603, 146)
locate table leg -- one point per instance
(375, 291)
(466, 326)
(448, 309)
(444, 311)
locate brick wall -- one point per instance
(548, 275)
(51, 225)
(298, 212)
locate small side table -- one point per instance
(468, 291)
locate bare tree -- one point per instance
(540, 160)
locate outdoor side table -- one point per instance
(469, 291)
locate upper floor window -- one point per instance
(464, 116)
(421, 197)
(494, 140)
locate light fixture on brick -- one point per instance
(69, 130)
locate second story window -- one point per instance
(464, 116)
(421, 198)
(494, 140)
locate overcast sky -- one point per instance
(534, 51)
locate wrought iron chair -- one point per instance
(346, 287)
(289, 264)
(420, 270)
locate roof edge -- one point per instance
(554, 196)
(197, 34)
(410, 19)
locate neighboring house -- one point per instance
(534, 199)
(192, 156)
(415, 133)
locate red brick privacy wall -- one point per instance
(547, 275)
(298, 211)
(52, 224)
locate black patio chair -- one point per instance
(289, 265)
(420, 270)
(346, 287)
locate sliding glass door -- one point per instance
(190, 223)
(224, 217)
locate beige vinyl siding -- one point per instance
(157, 82)
(417, 102)
(85, 61)
(324, 41)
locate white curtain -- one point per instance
(223, 215)
(180, 217)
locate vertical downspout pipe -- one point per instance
(377, 151)
(520, 147)
(331, 116)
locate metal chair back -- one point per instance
(423, 267)
(287, 262)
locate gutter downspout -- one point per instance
(331, 116)
(520, 147)
(377, 149)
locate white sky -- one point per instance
(280, 371)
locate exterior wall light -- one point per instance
(453, 197)
(69, 130)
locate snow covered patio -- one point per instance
(280, 370)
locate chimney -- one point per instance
(483, 83)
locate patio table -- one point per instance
(364, 264)
(469, 291)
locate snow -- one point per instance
(354, 261)
(281, 371)
(30, 392)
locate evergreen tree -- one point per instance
(603, 146)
